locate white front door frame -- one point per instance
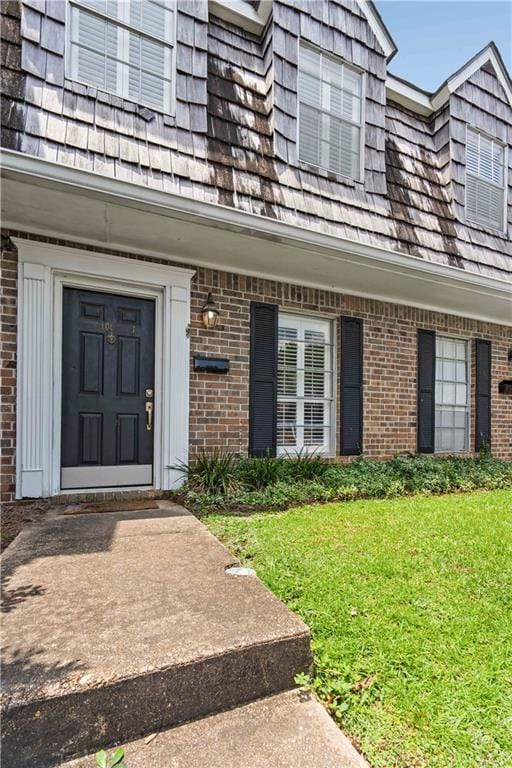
(44, 270)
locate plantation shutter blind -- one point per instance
(426, 391)
(482, 394)
(485, 180)
(92, 37)
(351, 386)
(124, 48)
(263, 379)
(330, 112)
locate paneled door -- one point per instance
(108, 369)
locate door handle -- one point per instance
(149, 416)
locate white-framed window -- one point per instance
(305, 384)
(124, 48)
(452, 395)
(330, 112)
(485, 180)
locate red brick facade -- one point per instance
(219, 404)
(8, 282)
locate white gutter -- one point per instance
(408, 95)
(28, 168)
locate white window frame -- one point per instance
(312, 322)
(467, 406)
(301, 42)
(504, 187)
(124, 24)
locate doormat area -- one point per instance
(110, 506)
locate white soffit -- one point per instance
(242, 14)
(71, 204)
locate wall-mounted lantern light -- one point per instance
(210, 313)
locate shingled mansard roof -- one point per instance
(232, 140)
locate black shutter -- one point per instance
(351, 386)
(426, 390)
(483, 394)
(263, 380)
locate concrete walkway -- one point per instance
(118, 625)
(287, 730)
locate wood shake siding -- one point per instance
(233, 139)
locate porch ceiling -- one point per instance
(87, 208)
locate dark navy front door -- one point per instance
(108, 363)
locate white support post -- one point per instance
(175, 384)
(34, 341)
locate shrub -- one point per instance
(221, 479)
(304, 466)
(212, 472)
(259, 473)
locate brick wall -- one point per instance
(8, 293)
(219, 403)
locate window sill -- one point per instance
(347, 181)
(464, 452)
(487, 230)
(294, 452)
(148, 113)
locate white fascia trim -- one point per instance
(242, 14)
(413, 98)
(468, 71)
(378, 28)
(26, 167)
(65, 258)
(408, 95)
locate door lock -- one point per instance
(149, 393)
(149, 416)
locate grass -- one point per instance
(410, 606)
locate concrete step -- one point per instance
(120, 624)
(288, 730)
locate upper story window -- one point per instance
(125, 48)
(485, 180)
(330, 113)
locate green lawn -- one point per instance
(410, 606)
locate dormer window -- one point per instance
(124, 48)
(330, 113)
(485, 180)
